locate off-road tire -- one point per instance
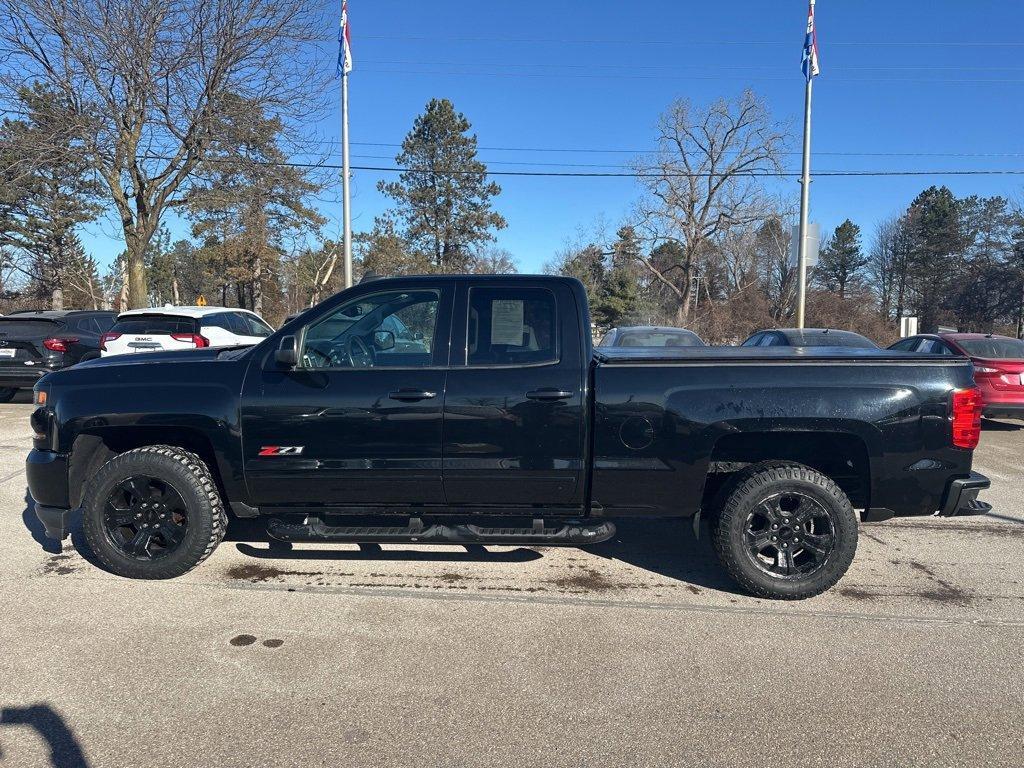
(748, 489)
(190, 477)
(7, 394)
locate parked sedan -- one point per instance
(650, 336)
(808, 337)
(34, 343)
(998, 365)
(176, 328)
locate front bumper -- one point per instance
(47, 475)
(22, 378)
(56, 521)
(962, 496)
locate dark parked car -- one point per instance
(33, 344)
(808, 337)
(650, 336)
(503, 427)
(998, 365)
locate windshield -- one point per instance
(659, 338)
(994, 349)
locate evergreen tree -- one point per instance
(936, 252)
(43, 195)
(250, 202)
(443, 199)
(841, 264)
(618, 299)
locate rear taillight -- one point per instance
(59, 345)
(195, 338)
(966, 416)
(108, 337)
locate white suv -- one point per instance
(172, 328)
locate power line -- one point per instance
(685, 65)
(653, 150)
(687, 43)
(537, 75)
(644, 175)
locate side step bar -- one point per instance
(315, 530)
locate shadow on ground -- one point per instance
(663, 547)
(989, 425)
(35, 527)
(65, 751)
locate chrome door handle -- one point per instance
(411, 395)
(549, 394)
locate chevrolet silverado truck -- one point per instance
(494, 421)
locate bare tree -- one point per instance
(703, 182)
(149, 79)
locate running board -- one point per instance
(315, 530)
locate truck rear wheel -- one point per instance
(785, 531)
(153, 513)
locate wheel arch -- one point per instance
(842, 456)
(94, 447)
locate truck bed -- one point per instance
(735, 355)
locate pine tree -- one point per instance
(443, 199)
(842, 261)
(250, 202)
(43, 195)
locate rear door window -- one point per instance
(256, 327)
(906, 345)
(511, 326)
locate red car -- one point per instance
(998, 366)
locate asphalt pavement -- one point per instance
(637, 652)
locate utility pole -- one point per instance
(809, 65)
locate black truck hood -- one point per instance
(143, 358)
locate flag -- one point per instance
(809, 60)
(344, 43)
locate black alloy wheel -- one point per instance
(145, 518)
(153, 513)
(784, 530)
(789, 535)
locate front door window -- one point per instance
(392, 329)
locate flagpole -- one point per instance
(805, 179)
(805, 195)
(346, 199)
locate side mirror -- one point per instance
(287, 354)
(384, 340)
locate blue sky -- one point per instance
(904, 81)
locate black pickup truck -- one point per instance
(458, 409)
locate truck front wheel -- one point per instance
(153, 513)
(785, 531)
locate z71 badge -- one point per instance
(281, 450)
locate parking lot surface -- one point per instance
(637, 652)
